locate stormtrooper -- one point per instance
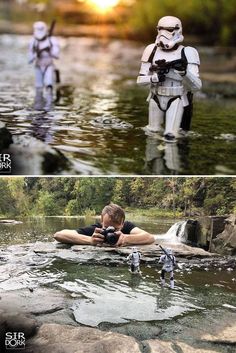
(42, 50)
(171, 71)
(134, 259)
(168, 260)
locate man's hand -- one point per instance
(121, 240)
(97, 238)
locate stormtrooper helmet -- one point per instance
(169, 251)
(40, 30)
(169, 32)
(134, 249)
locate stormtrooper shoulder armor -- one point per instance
(148, 52)
(192, 55)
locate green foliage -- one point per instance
(213, 20)
(46, 204)
(72, 208)
(87, 196)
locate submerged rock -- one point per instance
(32, 156)
(5, 137)
(10, 221)
(109, 122)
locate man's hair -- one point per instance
(115, 212)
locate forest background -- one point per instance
(206, 21)
(157, 197)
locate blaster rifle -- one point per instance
(166, 253)
(162, 67)
(51, 29)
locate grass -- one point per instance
(153, 213)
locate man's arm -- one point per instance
(137, 236)
(73, 237)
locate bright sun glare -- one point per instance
(103, 5)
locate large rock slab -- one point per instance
(225, 242)
(42, 253)
(156, 346)
(226, 336)
(67, 339)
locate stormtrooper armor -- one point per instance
(168, 260)
(134, 259)
(42, 50)
(171, 71)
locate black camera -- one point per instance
(110, 237)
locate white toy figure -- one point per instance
(168, 260)
(134, 259)
(172, 73)
(42, 50)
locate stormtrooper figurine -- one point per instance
(42, 50)
(168, 260)
(172, 73)
(134, 259)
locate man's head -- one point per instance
(169, 30)
(40, 30)
(113, 215)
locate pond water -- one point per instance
(98, 120)
(110, 297)
(42, 228)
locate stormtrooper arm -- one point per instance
(55, 49)
(144, 77)
(192, 80)
(32, 54)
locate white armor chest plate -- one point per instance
(168, 55)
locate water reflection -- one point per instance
(98, 80)
(166, 158)
(42, 128)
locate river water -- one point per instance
(98, 120)
(110, 297)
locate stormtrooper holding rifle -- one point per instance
(43, 49)
(169, 262)
(171, 71)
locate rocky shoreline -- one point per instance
(62, 338)
(49, 325)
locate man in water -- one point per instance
(124, 232)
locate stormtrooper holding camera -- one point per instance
(43, 49)
(171, 71)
